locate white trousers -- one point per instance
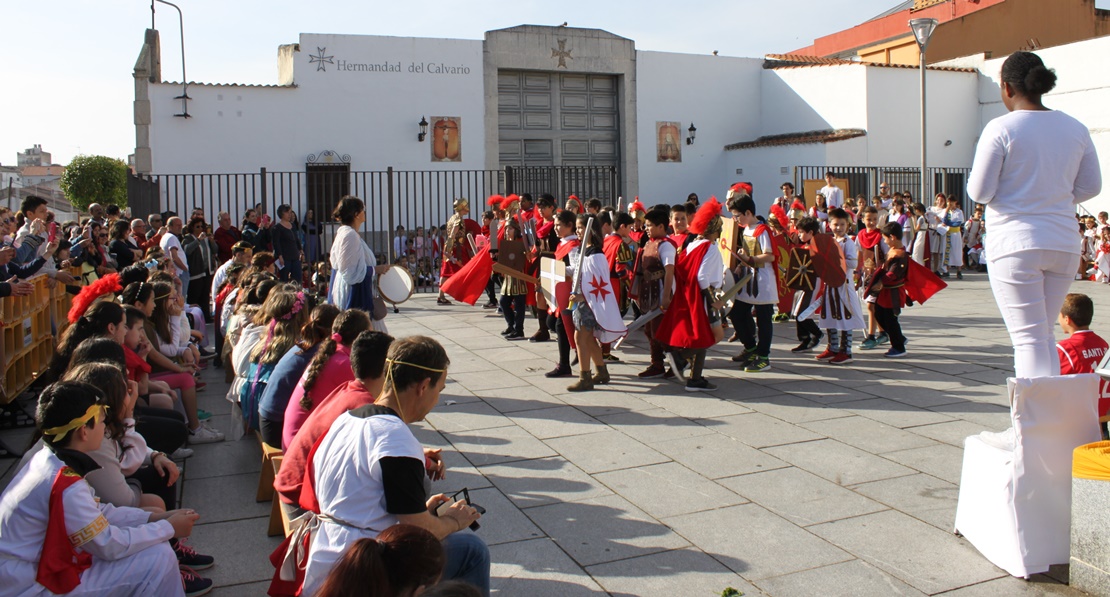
(1029, 287)
(152, 571)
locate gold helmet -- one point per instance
(461, 204)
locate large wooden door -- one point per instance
(557, 119)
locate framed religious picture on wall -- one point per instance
(668, 142)
(446, 139)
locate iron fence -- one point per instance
(864, 180)
(406, 209)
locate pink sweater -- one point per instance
(336, 372)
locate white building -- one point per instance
(559, 96)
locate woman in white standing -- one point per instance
(1031, 168)
(353, 264)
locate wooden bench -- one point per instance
(266, 474)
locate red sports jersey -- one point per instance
(1081, 353)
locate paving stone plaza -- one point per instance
(807, 479)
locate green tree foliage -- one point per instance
(95, 179)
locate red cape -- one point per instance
(685, 324)
(922, 283)
(611, 247)
(60, 564)
(562, 293)
(468, 284)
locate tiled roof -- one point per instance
(825, 136)
(777, 61)
(195, 84)
(43, 170)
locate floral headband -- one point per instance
(298, 304)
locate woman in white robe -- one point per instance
(353, 264)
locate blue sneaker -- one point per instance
(869, 344)
(894, 353)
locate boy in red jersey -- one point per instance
(1083, 349)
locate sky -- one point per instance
(67, 82)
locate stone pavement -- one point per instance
(807, 479)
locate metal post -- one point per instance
(389, 200)
(261, 175)
(924, 172)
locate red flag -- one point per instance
(60, 566)
(468, 284)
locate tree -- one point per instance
(92, 179)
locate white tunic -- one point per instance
(767, 293)
(348, 485)
(131, 556)
(849, 299)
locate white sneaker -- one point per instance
(205, 435)
(181, 454)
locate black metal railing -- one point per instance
(420, 201)
(864, 180)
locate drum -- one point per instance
(395, 285)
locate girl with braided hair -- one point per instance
(329, 369)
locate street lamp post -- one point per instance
(922, 31)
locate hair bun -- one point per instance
(1040, 80)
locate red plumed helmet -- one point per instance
(797, 204)
(636, 206)
(706, 214)
(740, 188)
(495, 201)
(107, 285)
(779, 214)
(507, 202)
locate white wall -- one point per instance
(719, 95)
(1082, 90)
(894, 117)
(372, 116)
(762, 166)
(813, 98)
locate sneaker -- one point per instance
(540, 336)
(201, 385)
(515, 335)
(490, 305)
(652, 372)
(883, 338)
(841, 358)
(203, 414)
(205, 435)
(499, 311)
(194, 585)
(699, 385)
(894, 353)
(959, 275)
(507, 331)
(780, 317)
(869, 343)
(757, 364)
(805, 346)
(189, 558)
(672, 360)
(207, 354)
(669, 374)
(826, 355)
(814, 341)
(744, 356)
(610, 358)
(181, 454)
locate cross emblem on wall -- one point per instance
(562, 53)
(319, 59)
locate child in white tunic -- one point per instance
(54, 535)
(842, 312)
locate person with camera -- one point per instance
(351, 503)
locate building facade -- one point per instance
(533, 96)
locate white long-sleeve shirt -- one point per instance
(1031, 168)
